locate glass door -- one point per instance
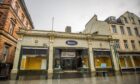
(68, 64)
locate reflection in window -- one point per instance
(33, 58)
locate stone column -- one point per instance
(126, 64)
(50, 65)
(91, 58)
(16, 58)
(132, 60)
(115, 59)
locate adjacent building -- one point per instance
(126, 32)
(13, 16)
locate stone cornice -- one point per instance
(64, 35)
(8, 36)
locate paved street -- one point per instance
(125, 79)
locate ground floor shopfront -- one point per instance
(64, 59)
(59, 52)
(129, 61)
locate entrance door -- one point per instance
(68, 64)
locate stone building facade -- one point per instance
(52, 52)
(13, 16)
(125, 31)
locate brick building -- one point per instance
(13, 16)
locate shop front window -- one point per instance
(136, 61)
(125, 62)
(70, 59)
(102, 59)
(33, 58)
(103, 62)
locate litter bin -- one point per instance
(4, 71)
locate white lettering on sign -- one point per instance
(71, 42)
(68, 54)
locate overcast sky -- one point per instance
(76, 13)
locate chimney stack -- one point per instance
(68, 29)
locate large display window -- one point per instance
(103, 62)
(102, 58)
(33, 58)
(136, 61)
(125, 62)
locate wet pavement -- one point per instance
(118, 79)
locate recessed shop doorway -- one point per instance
(70, 59)
(68, 63)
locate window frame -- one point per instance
(133, 44)
(122, 30)
(11, 27)
(6, 50)
(129, 31)
(136, 31)
(139, 22)
(117, 44)
(125, 19)
(22, 17)
(133, 21)
(17, 7)
(139, 43)
(126, 44)
(114, 29)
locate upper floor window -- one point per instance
(1, 13)
(117, 44)
(11, 28)
(139, 43)
(125, 19)
(133, 44)
(22, 18)
(136, 31)
(16, 7)
(125, 44)
(129, 31)
(27, 23)
(114, 29)
(1, 1)
(133, 21)
(139, 21)
(122, 30)
(5, 51)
